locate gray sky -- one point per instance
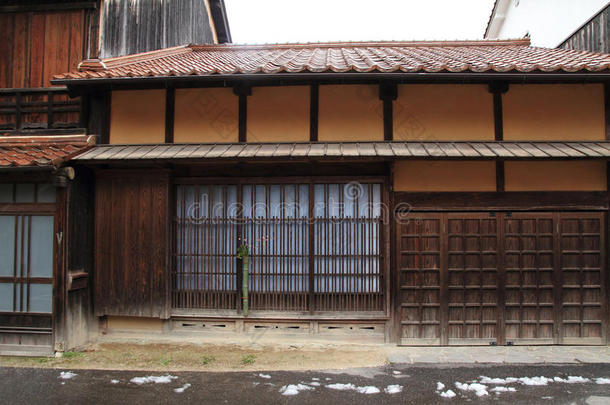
(278, 21)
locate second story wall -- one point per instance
(421, 112)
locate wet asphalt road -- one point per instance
(44, 386)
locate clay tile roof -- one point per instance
(41, 151)
(490, 56)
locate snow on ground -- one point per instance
(535, 380)
(396, 372)
(182, 389)
(393, 389)
(314, 383)
(315, 379)
(479, 389)
(440, 386)
(114, 381)
(497, 381)
(293, 389)
(602, 381)
(157, 379)
(341, 387)
(66, 375)
(369, 389)
(447, 394)
(503, 389)
(572, 380)
(264, 376)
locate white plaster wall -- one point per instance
(549, 22)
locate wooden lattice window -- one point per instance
(313, 247)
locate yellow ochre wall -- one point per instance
(554, 112)
(350, 113)
(429, 112)
(208, 115)
(137, 116)
(279, 114)
(555, 176)
(419, 175)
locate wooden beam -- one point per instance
(243, 91)
(607, 108)
(314, 108)
(43, 7)
(505, 201)
(170, 103)
(497, 89)
(388, 93)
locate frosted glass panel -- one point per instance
(41, 297)
(6, 192)
(24, 193)
(7, 245)
(6, 297)
(45, 193)
(41, 246)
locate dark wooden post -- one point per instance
(170, 102)
(314, 108)
(99, 115)
(388, 93)
(243, 91)
(59, 270)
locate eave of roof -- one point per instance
(41, 152)
(474, 150)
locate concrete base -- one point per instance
(26, 351)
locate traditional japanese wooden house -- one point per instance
(421, 193)
(46, 209)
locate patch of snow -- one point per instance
(264, 376)
(503, 389)
(255, 383)
(157, 379)
(114, 381)
(602, 381)
(66, 375)
(341, 387)
(534, 380)
(571, 380)
(396, 372)
(314, 383)
(315, 379)
(328, 378)
(547, 397)
(447, 394)
(63, 383)
(393, 389)
(182, 389)
(440, 386)
(497, 381)
(479, 389)
(369, 389)
(293, 389)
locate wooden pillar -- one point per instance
(170, 102)
(59, 270)
(497, 89)
(243, 91)
(388, 93)
(98, 115)
(314, 108)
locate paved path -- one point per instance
(418, 385)
(500, 354)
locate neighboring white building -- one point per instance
(548, 22)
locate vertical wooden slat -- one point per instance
(557, 281)
(314, 100)
(170, 102)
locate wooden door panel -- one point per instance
(582, 261)
(419, 248)
(472, 279)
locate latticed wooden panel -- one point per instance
(472, 278)
(420, 277)
(582, 283)
(529, 265)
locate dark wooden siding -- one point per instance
(130, 26)
(594, 36)
(131, 243)
(35, 46)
